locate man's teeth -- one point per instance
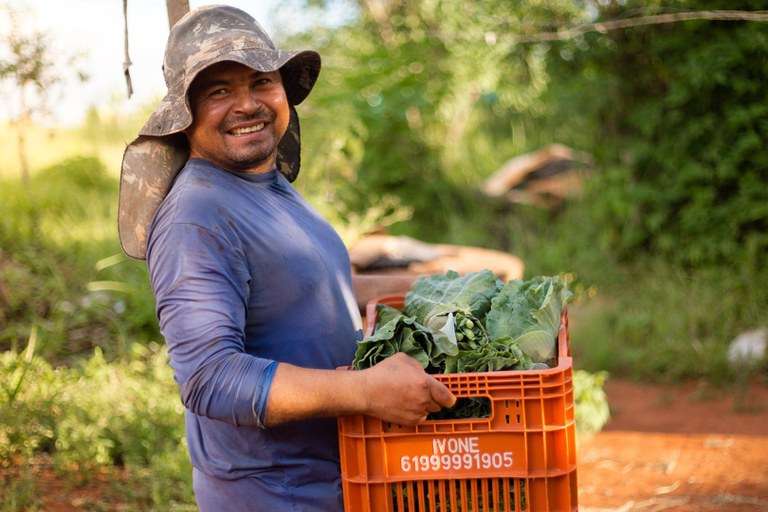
(249, 129)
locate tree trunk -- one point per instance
(21, 143)
(21, 126)
(176, 9)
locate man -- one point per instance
(253, 289)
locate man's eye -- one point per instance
(218, 92)
(264, 81)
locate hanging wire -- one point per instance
(127, 62)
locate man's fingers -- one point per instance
(440, 394)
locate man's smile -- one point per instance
(246, 128)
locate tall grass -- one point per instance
(58, 255)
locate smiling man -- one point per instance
(253, 289)
(239, 116)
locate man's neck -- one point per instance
(260, 168)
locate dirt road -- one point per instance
(677, 449)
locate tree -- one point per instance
(27, 63)
(682, 143)
(421, 100)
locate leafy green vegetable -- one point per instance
(528, 314)
(396, 332)
(440, 295)
(452, 305)
(443, 326)
(491, 356)
(479, 407)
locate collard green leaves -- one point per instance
(396, 332)
(470, 323)
(491, 356)
(440, 295)
(528, 313)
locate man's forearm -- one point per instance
(396, 390)
(299, 393)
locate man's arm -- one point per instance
(201, 290)
(370, 286)
(396, 390)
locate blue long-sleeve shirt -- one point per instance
(245, 275)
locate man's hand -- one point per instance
(399, 391)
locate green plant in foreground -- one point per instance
(124, 414)
(19, 492)
(592, 410)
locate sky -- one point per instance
(94, 28)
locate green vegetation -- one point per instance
(443, 327)
(61, 270)
(666, 251)
(528, 313)
(124, 416)
(681, 143)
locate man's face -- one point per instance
(239, 117)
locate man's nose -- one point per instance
(246, 101)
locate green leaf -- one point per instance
(440, 295)
(538, 344)
(396, 332)
(528, 312)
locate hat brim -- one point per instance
(299, 71)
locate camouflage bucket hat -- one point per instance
(200, 39)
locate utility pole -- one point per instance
(176, 9)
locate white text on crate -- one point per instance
(456, 453)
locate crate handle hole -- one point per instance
(465, 408)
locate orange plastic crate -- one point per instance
(520, 458)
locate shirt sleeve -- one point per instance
(201, 285)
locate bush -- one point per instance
(123, 414)
(682, 141)
(658, 322)
(61, 267)
(423, 104)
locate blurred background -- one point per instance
(618, 142)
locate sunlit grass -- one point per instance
(103, 134)
(47, 146)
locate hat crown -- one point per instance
(205, 31)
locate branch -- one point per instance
(656, 19)
(176, 10)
